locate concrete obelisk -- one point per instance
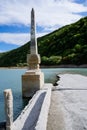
(33, 47)
(33, 79)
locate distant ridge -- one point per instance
(67, 45)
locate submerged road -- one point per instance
(68, 109)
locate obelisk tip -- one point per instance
(32, 10)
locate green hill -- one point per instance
(67, 45)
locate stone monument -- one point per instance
(33, 79)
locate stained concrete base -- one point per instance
(32, 81)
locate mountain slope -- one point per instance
(67, 45)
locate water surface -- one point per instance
(11, 78)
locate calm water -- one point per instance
(11, 78)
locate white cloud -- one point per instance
(48, 12)
(14, 38)
(41, 34)
(17, 38)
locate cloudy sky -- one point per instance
(50, 15)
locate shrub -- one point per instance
(53, 60)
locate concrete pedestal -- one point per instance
(32, 81)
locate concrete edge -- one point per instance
(19, 122)
(43, 117)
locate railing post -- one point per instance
(8, 108)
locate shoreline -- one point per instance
(47, 66)
(65, 66)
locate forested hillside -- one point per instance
(67, 45)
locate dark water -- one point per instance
(11, 78)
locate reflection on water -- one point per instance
(11, 78)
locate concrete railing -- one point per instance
(35, 114)
(42, 120)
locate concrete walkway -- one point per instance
(68, 109)
(55, 115)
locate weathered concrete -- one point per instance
(55, 116)
(8, 108)
(43, 117)
(33, 61)
(32, 81)
(68, 110)
(35, 114)
(33, 46)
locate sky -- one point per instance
(49, 15)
